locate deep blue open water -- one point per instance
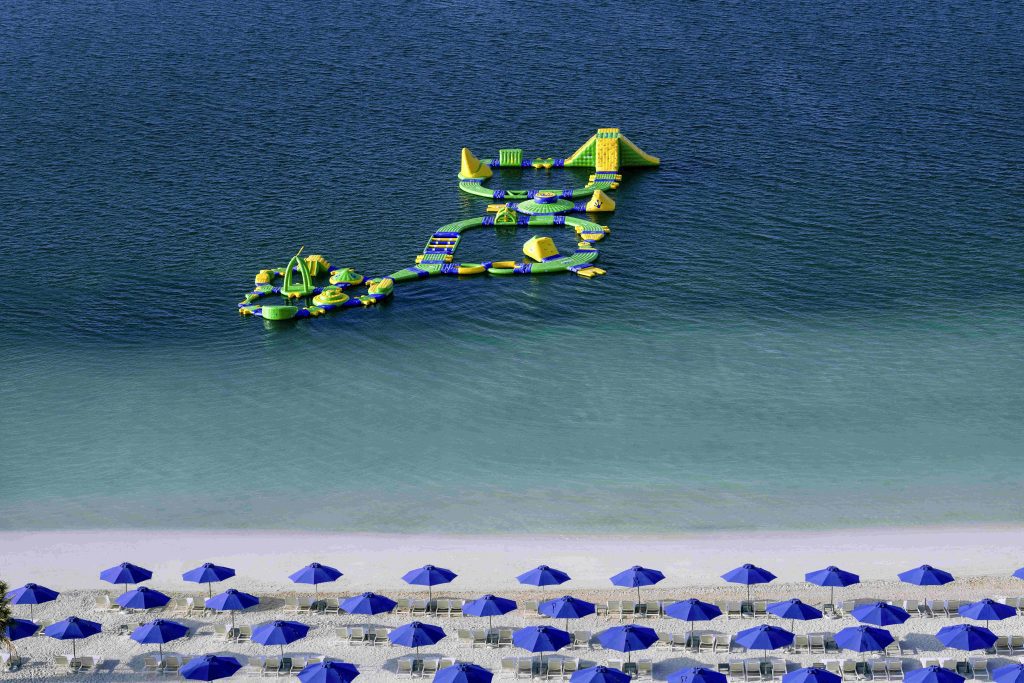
(812, 317)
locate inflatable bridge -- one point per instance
(311, 287)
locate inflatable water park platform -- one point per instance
(309, 287)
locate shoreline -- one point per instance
(72, 559)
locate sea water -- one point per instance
(812, 316)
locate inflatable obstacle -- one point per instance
(309, 287)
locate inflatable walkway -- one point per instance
(310, 287)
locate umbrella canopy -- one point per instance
(600, 674)
(489, 606)
(232, 600)
(863, 638)
(925, 575)
(1020, 575)
(72, 628)
(463, 673)
(543, 576)
(279, 633)
(832, 577)
(811, 674)
(142, 598)
(628, 638)
(315, 573)
(566, 607)
(696, 674)
(126, 573)
(541, 638)
(17, 629)
(159, 631)
(637, 576)
(1014, 673)
(748, 575)
(31, 594)
(794, 610)
(879, 614)
(933, 674)
(764, 637)
(987, 610)
(208, 573)
(368, 603)
(966, 637)
(210, 668)
(416, 634)
(692, 610)
(430, 576)
(328, 672)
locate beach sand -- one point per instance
(69, 561)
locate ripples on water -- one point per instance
(812, 314)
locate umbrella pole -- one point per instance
(209, 588)
(832, 596)
(74, 650)
(32, 612)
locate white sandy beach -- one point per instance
(69, 561)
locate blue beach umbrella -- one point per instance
(833, 577)
(692, 610)
(126, 573)
(879, 614)
(925, 575)
(696, 674)
(637, 576)
(793, 610)
(1019, 574)
(232, 600)
(17, 629)
(811, 674)
(540, 639)
(142, 598)
(159, 631)
(210, 668)
(416, 634)
(428, 575)
(863, 638)
(279, 633)
(600, 674)
(1014, 673)
(566, 607)
(72, 628)
(31, 594)
(749, 575)
(463, 672)
(316, 573)
(328, 672)
(543, 576)
(765, 638)
(966, 637)
(987, 610)
(932, 674)
(368, 603)
(628, 638)
(208, 573)
(489, 606)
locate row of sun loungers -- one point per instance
(78, 664)
(359, 635)
(409, 667)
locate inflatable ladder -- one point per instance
(606, 152)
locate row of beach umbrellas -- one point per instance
(430, 575)
(537, 639)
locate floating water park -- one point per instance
(311, 287)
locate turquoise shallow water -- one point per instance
(812, 317)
